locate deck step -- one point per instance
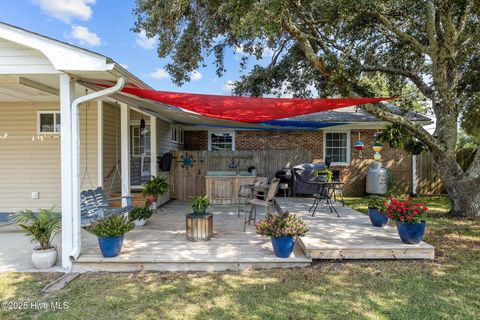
(188, 260)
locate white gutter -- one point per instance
(76, 158)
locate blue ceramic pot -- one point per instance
(111, 246)
(411, 233)
(283, 246)
(377, 218)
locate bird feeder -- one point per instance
(377, 147)
(359, 145)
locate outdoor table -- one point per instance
(323, 191)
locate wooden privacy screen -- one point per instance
(190, 182)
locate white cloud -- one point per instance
(160, 73)
(145, 42)
(228, 87)
(85, 36)
(195, 76)
(66, 10)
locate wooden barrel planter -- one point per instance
(199, 227)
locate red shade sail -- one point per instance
(247, 109)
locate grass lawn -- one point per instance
(446, 288)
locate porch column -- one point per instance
(125, 150)
(67, 92)
(153, 146)
(100, 143)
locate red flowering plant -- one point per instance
(406, 211)
(280, 225)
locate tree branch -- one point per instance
(414, 77)
(399, 33)
(473, 168)
(305, 45)
(380, 113)
(430, 26)
(417, 130)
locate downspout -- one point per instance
(76, 158)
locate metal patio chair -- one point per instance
(267, 202)
(246, 191)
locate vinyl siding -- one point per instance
(111, 148)
(28, 164)
(164, 145)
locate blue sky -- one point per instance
(104, 27)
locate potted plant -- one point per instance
(155, 187)
(139, 215)
(410, 218)
(110, 232)
(376, 209)
(327, 174)
(41, 228)
(199, 224)
(282, 230)
(200, 204)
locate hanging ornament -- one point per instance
(377, 156)
(142, 124)
(377, 147)
(359, 145)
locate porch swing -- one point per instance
(94, 204)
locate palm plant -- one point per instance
(41, 227)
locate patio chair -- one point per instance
(337, 177)
(245, 192)
(267, 202)
(94, 205)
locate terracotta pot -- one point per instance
(43, 259)
(152, 198)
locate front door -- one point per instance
(139, 155)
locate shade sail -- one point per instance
(247, 109)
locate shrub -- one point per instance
(140, 213)
(111, 226)
(276, 225)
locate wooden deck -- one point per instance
(161, 244)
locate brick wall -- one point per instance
(195, 140)
(353, 175)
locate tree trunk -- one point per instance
(463, 190)
(464, 197)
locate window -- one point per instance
(176, 134)
(221, 141)
(139, 141)
(337, 147)
(48, 122)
